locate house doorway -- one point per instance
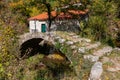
(43, 28)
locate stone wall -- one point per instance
(67, 25)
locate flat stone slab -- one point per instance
(76, 37)
(85, 40)
(62, 40)
(117, 49)
(69, 42)
(105, 60)
(92, 46)
(57, 37)
(73, 47)
(113, 69)
(71, 34)
(81, 50)
(103, 51)
(91, 58)
(116, 64)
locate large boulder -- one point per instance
(96, 71)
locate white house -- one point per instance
(37, 26)
(63, 21)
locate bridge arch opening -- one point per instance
(30, 47)
(36, 46)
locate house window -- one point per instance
(43, 28)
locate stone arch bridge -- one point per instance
(33, 43)
(43, 36)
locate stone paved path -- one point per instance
(91, 50)
(105, 50)
(84, 45)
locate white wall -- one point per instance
(37, 23)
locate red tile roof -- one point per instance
(78, 12)
(64, 16)
(44, 16)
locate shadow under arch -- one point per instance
(31, 47)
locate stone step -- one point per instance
(91, 58)
(103, 51)
(92, 46)
(85, 47)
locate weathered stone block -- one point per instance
(96, 71)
